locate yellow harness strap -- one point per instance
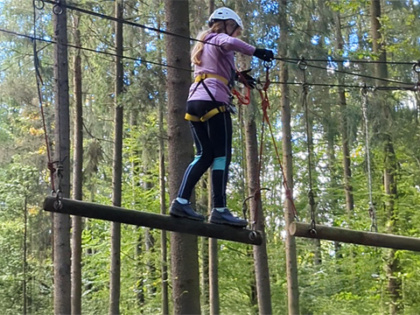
(214, 111)
(204, 76)
(207, 116)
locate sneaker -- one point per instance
(184, 211)
(227, 218)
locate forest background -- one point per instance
(342, 53)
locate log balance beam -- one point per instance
(151, 220)
(355, 237)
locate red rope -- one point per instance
(265, 105)
(244, 99)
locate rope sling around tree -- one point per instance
(316, 231)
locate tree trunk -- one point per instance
(76, 249)
(211, 7)
(61, 230)
(291, 259)
(184, 248)
(262, 275)
(213, 277)
(348, 189)
(392, 265)
(115, 272)
(205, 248)
(163, 240)
(25, 257)
(214, 298)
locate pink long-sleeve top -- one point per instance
(218, 59)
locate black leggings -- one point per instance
(213, 142)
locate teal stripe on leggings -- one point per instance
(219, 163)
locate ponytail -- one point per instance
(198, 47)
(218, 26)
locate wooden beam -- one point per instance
(355, 237)
(152, 220)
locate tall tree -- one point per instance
(213, 277)
(262, 275)
(162, 184)
(184, 248)
(162, 188)
(76, 240)
(115, 285)
(392, 265)
(62, 287)
(348, 189)
(291, 257)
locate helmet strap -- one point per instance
(226, 30)
(234, 30)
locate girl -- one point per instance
(208, 112)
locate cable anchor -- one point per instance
(302, 64)
(39, 4)
(311, 197)
(372, 214)
(256, 196)
(57, 8)
(416, 67)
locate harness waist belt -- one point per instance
(204, 76)
(207, 116)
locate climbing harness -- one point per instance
(372, 210)
(309, 143)
(204, 76)
(199, 79)
(208, 115)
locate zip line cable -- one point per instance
(414, 87)
(329, 60)
(58, 7)
(93, 50)
(124, 21)
(349, 73)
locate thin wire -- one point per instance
(124, 21)
(93, 50)
(354, 74)
(329, 60)
(50, 164)
(413, 88)
(370, 87)
(311, 197)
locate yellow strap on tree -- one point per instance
(204, 76)
(207, 116)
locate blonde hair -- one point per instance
(219, 26)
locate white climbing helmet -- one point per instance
(225, 14)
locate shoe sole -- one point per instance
(227, 223)
(186, 217)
